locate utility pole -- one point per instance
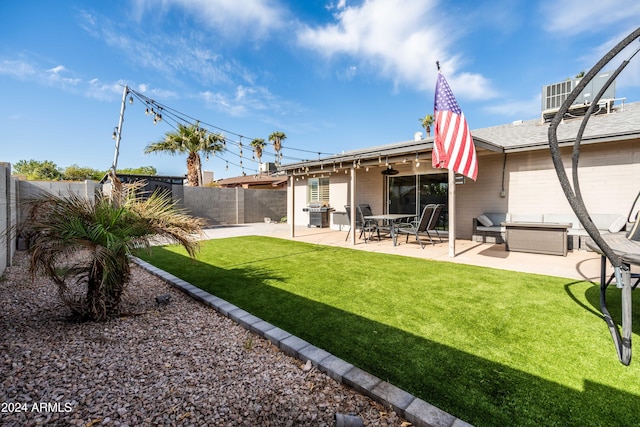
(117, 133)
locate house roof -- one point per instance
(622, 122)
(253, 180)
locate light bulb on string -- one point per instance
(115, 133)
(130, 99)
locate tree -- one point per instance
(142, 170)
(80, 242)
(258, 145)
(190, 140)
(77, 173)
(426, 123)
(276, 138)
(36, 170)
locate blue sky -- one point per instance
(332, 75)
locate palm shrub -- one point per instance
(79, 242)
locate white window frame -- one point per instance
(317, 190)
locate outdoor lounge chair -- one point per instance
(425, 225)
(365, 226)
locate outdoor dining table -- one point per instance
(392, 220)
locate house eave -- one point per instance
(599, 139)
(376, 156)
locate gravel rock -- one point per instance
(179, 363)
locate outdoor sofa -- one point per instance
(487, 228)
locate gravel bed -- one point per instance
(180, 364)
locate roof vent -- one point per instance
(517, 122)
(417, 136)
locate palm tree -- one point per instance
(426, 123)
(78, 243)
(276, 138)
(258, 145)
(191, 140)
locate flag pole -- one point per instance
(452, 204)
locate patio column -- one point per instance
(452, 214)
(352, 203)
(291, 206)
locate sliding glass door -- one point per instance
(402, 194)
(409, 194)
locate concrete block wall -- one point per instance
(8, 216)
(260, 204)
(235, 205)
(607, 174)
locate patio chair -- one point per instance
(426, 224)
(366, 211)
(361, 224)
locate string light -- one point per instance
(175, 118)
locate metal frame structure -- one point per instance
(574, 196)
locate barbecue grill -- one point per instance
(318, 214)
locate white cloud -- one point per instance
(571, 17)
(174, 57)
(401, 40)
(26, 70)
(17, 68)
(57, 70)
(253, 18)
(103, 91)
(247, 100)
(55, 77)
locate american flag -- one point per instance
(453, 146)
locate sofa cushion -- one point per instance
(485, 221)
(604, 221)
(497, 217)
(618, 224)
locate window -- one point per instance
(318, 190)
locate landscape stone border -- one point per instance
(415, 410)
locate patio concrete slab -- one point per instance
(578, 264)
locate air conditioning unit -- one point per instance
(267, 167)
(554, 95)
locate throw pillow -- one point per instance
(618, 224)
(484, 220)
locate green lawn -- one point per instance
(492, 347)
